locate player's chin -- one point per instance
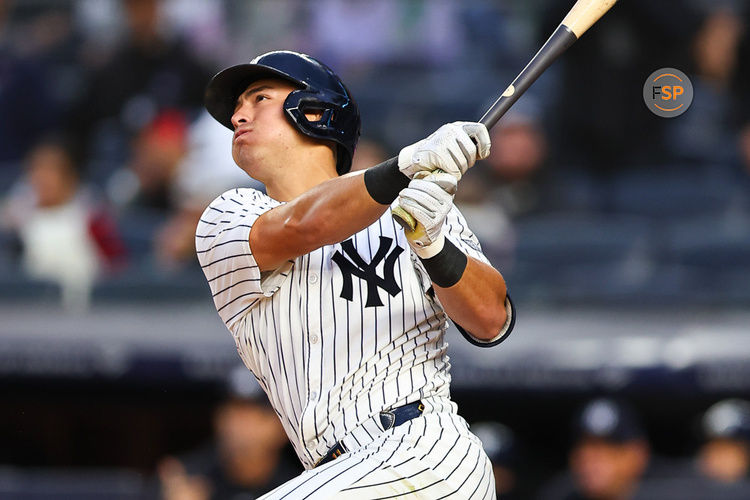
(246, 160)
(241, 154)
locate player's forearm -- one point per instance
(477, 300)
(328, 213)
(332, 211)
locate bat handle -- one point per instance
(562, 38)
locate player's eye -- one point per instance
(260, 97)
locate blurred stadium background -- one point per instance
(624, 238)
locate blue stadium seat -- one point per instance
(713, 243)
(16, 286)
(564, 239)
(138, 229)
(670, 193)
(580, 258)
(144, 282)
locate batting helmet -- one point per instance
(320, 91)
(729, 419)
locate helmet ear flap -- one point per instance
(332, 124)
(301, 103)
(312, 114)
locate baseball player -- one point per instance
(340, 317)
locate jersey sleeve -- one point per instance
(457, 230)
(222, 243)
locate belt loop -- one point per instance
(387, 419)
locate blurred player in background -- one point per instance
(609, 456)
(247, 458)
(501, 446)
(725, 455)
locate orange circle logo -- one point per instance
(668, 92)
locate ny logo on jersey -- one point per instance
(366, 272)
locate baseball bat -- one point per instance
(580, 18)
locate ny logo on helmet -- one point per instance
(367, 272)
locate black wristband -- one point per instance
(447, 266)
(385, 181)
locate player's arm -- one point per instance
(328, 213)
(472, 292)
(334, 210)
(477, 302)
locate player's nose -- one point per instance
(241, 115)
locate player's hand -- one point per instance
(453, 148)
(429, 200)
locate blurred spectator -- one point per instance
(515, 164)
(725, 455)
(26, 104)
(741, 85)
(148, 73)
(510, 183)
(258, 27)
(66, 237)
(247, 459)
(147, 181)
(715, 47)
(386, 32)
(720, 469)
(609, 456)
(601, 121)
(46, 33)
(499, 443)
(705, 133)
(206, 171)
(203, 25)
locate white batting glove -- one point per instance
(429, 200)
(453, 148)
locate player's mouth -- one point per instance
(239, 132)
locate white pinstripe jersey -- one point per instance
(336, 335)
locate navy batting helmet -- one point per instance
(729, 419)
(321, 91)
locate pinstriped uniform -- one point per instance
(338, 335)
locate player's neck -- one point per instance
(292, 182)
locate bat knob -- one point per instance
(404, 219)
(414, 231)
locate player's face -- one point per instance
(605, 469)
(262, 133)
(249, 435)
(725, 460)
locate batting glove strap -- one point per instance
(510, 322)
(385, 181)
(430, 250)
(447, 266)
